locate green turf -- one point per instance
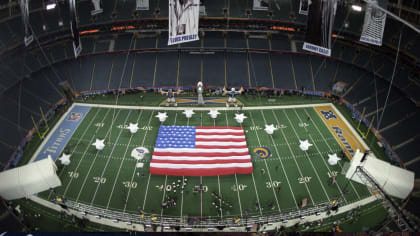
(108, 179)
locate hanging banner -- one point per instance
(260, 5)
(303, 7)
(97, 4)
(374, 25)
(183, 21)
(77, 46)
(320, 25)
(25, 20)
(142, 5)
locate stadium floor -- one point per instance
(110, 180)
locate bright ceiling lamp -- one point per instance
(50, 6)
(356, 7)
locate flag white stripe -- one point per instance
(185, 158)
(220, 143)
(198, 150)
(219, 130)
(200, 166)
(220, 136)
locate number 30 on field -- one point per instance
(129, 184)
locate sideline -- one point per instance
(202, 108)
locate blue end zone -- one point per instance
(61, 136)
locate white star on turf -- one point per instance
(99, 144)
(133, 128)
(162, 116)
(65, 159)
(240, 118)
(214, 113)
(188, 113)
(333, 159)
(304, 145)
(269, 129)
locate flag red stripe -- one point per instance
(219, 147)
(216, 133)
(220, 140)
(201, 154)
(218, 127)
(217, 161)
(200, 172)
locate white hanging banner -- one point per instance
(260, 5)
(183, 21)
(98, 8)
(303, 7)
(320, 24)
(25, 19)
(142, 5)
(374, 25)
(77, 45)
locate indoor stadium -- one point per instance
(259, 116)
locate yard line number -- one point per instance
(332, 173)
(100, 180)
(73, 175)
(129, 184)
(274, 184)
(304, 180)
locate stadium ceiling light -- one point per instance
(356, 7)
(50, 6)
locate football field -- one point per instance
(108, 180)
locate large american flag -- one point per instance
(200, 151)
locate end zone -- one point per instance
(60, 135)
(341, 130)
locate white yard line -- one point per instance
(201, 177)
(294, 158)
(77, 144)
(236, 179)
(92, 164)
(281, 163)
(84, 154)
(163, 198)
(109, 158)
(309, 159)
(265, 162)
(321, 157)
(134, 171)
(284, 171)
(119, 169)
(182, 199)
(220, 198)
(316, 126)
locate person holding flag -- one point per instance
(232, 96)
(170, 96)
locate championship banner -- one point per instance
(303, 7)
(260, 5)
(97, 4)
(183, 21)
(374, 25)
(77, 46)
(320, 25)
(25, 20)
(142, 5)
